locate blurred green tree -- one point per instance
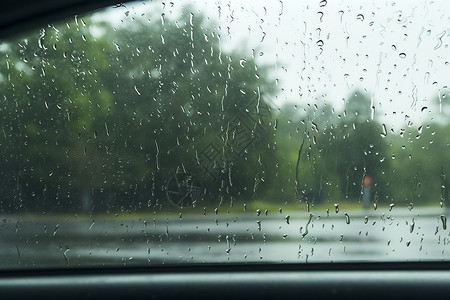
(100, 116)
(361, 149)
(339, 150)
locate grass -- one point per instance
(208, 209)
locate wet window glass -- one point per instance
(156, 133)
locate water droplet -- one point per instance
(242, 62)
(307, 224)
(384, 133)
(259, 225)
(402, 55)
(92, 225)
(360, 17)
(323, 3)
(391, 206)
(411, 226)
(191, 19)
(288, 217)
(444, 222)
(347, 218)
(258, 212)
(137, 91)
(41, 39)
(394, 47)
(408, 243)
(216, 211)
(320, 14)
(245, 207)
(320, 43)
(285, 236)
(366, 219)
(117, 46)
(315, 127)
(336, 207)
(66, 258)
(56, 229)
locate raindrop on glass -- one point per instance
(347, 218)
(444, 222)
(336, 207)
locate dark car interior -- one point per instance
(365, 280)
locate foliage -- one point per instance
(99, 117)
(107, 120)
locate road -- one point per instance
(379, 235)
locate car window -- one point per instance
(152, 133)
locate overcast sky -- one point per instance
(323, 50)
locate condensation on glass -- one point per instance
(251, 131)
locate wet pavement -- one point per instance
(382, 235)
